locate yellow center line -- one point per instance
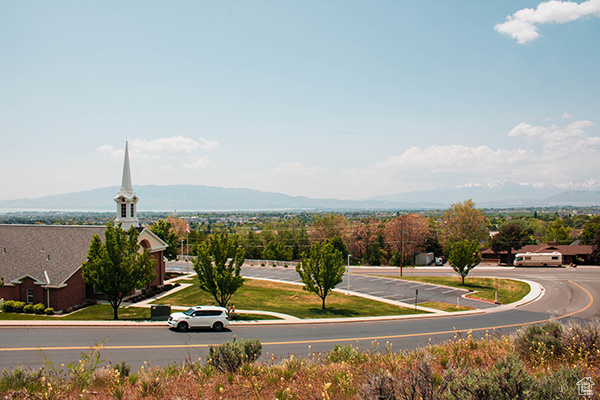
(176, 346)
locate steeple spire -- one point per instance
(126, 199)
(126, 186)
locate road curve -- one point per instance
(569, 293)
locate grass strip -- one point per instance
(508, 290)
(438, 305)
(288, 299)
(104, 312)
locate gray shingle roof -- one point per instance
(32, 249)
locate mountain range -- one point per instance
(209, 198)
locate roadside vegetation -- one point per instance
(544, 361)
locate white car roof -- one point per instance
(209, 308)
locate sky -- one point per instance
(325, 99)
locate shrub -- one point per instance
(39, 308)
(506, 380)
(558, 385)
(230, 356)
(28, 309)
(18, 306)
(540, 342)
(378, 385)
(344, 353)
(49, 311)
(8, 306)
(582, 339)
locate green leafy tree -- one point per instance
(275, 250)
(116, 266)
(338, 244)
(463, 221)
(218, 265)
(590, 231)
(164, 230)
(558, 233)
(321, 270)
(464, 256)
(510, 237)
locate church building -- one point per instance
(42, 263)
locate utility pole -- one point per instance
(348, 275)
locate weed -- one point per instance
(82, 371)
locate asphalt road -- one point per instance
(570, 293)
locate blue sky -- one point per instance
(342, 99)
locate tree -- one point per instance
(275, 250)
(464, 256)
(463, 221)
(218, 265)
(321, 270)
(590, 231)
(558, 233)
(164, 230)
(510, 237)
(407, 234)
(116, 266)
(328, 226)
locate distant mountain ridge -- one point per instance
(500, 194)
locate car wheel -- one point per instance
(218, 326)
(182, 326)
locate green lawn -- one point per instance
(98, 312)
(508, 290)
(438, 305)
(288, 299)
(104, 312)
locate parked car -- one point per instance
(212, 317)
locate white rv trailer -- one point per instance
(553, 259)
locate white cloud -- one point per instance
(199, 164)
(566, 115)
(551, 154)
(111, 152)
(557, 141)
(523, 25)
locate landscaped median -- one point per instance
(288, 299)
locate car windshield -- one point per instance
(189, 312)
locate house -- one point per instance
(572, 254)
(42, 263)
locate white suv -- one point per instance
(200, 317)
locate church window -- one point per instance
(132, 210)
(123, 210)
(29, 296)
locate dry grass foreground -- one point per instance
(545, 361)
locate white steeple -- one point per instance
(126, 187)
(126, 199)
